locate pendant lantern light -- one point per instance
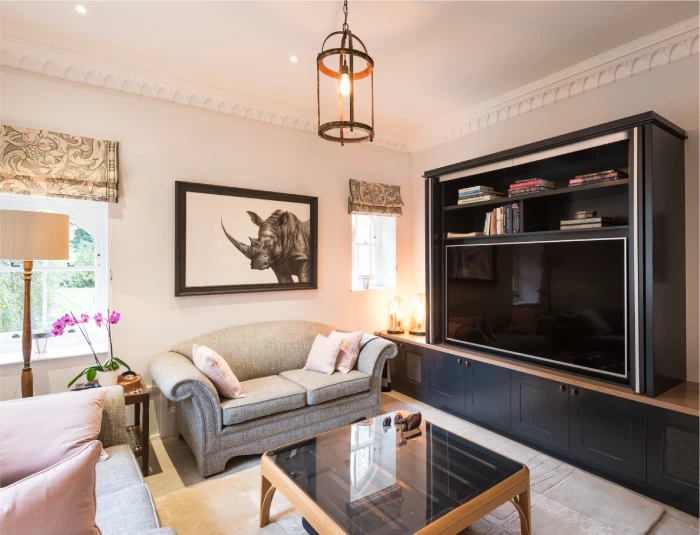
(354, 65)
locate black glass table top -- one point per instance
(375, 480)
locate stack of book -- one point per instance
(585, 219)
(600, 176)
(529, 185)
(477, 194)
(503, 220)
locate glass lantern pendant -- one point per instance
(395, 316)
(354, 65)
(417, 325)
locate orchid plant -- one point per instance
(69, 320)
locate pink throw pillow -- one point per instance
(217, 370)
(349, 350)
(56, 499)
(36, 433)
(323, 355)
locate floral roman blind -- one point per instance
(39, 162)
(372, 198)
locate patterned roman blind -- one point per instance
(39, 162)
(373, 198)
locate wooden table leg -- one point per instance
(145, 437)
(267, 491)
(522, 504)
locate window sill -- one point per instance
(15, 357)
(372, 288)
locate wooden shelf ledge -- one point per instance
(684, 398)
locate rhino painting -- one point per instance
(282, 245)
(235, 240)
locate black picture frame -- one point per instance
(181, 288)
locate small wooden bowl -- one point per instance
(129, 384)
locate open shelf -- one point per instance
(559, 191)
(615, 231)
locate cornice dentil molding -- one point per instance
(66, 65)
(654, 50)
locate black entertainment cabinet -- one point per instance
(647, 213)
(641, 431)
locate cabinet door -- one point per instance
(447, 382)
(540, 410)
(487, 394)
(672, 452)
(410, 372)
(609, 432)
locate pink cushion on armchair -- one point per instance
(217, 370)
(36, 433)
(349, 349)
(57, 500)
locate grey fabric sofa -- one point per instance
(283, 402)
(124, 503)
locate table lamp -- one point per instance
(30, 236)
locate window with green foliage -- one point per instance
(78, 285)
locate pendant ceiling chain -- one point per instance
(354, 65)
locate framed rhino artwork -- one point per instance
(234, 240)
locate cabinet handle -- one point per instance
(459, 362)
(562, 388)
(466, 363)
(574, 392)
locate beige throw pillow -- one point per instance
(36, 433)
(55, 501)
(349, 349)
(323, 354)
(217, 370)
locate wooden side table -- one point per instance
(138, 434)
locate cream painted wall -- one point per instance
(162, 143)
(671, 91)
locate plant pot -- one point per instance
(108, 378)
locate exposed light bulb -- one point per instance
(293, 59)
(81, 9)
(344, 86)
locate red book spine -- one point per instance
(517, 185)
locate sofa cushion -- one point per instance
(320, 387)
(118, 472)
(264, 396)
(126, 511)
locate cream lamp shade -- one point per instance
(26, 235)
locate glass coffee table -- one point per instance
(368, 479)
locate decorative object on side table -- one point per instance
(395, 316)
(107, 373)
(417, 325)
(210, 259)
(30, 236)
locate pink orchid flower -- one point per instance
(84, 318)
(98, 319)
(114, 317)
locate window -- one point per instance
(78, 285)
(373, 252)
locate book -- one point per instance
(464, 235)
(499, 220)
(586, 220)
(531, 182)
(509, 219)
(583, 214)
(487, 223)
(475, 188)
(621, 174)
(584, 225)
(516, 218)
(492, 222)
(527, 190)
(593, 179)
(477, 192)
(481, 198)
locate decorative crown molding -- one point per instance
(66, 65)
(654, 50)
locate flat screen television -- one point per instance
(561, 303)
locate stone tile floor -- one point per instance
(565, 500)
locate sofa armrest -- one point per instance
(113, 427)
(373, 355)
(178, 378)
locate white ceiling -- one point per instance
(432, 59)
